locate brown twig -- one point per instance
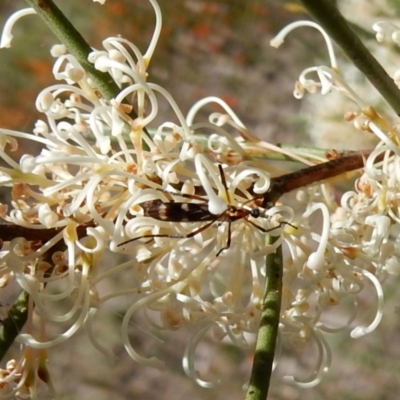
(346, 162)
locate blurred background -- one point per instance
(210, 48)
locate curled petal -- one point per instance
(316, 260)
(7, 37)
(279, 38)
(261, 185)
(364, 330)
(47, 216)
(98, 237)
(188, 361)
(384, 137)
(322, 366)
(216, 204)
(93, 336)
(153, 361)
(30, 341)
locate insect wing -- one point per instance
(177, 212)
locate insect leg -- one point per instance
(228, 241)
(191, 234)
(260, 228)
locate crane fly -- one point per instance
(172, 211)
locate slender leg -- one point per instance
(271, 229)
(191, 234)
(228, 240)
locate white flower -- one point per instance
(189, 220)
(92, 185)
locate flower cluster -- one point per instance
(362, 236)
(179, 201)
(106, 180)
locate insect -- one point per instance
(199, 212)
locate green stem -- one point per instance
(268, 331)
(13, 324)
(307, 152)
(329, 17)
(75, 44)
(78, 47)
